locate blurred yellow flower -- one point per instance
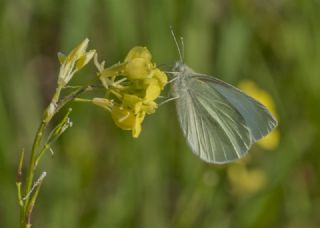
(245, 181)
(133, 86)
(271, 141)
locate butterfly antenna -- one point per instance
(182, 45)
(176, 42)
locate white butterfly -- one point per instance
(219, 121)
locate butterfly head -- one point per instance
(179, 67)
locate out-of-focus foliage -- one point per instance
(101, 177)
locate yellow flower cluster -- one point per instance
(133, 86)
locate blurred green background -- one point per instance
(100, 177)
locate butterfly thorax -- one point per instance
(183, 74)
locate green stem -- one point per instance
(73, 95)
(56, 95)
(30, 207)
(48, 115)
(54, 107)
(19, 179)
(35, 146)
(83, 100)
(41, 153)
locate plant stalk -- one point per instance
(55, 106)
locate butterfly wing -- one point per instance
(219, 121)
(257, 117)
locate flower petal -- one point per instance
(152, 90)
(77, 52)
(137, 68)
(137, 126)
(160, 76)
(123, 118)
(139, 52)
(84, 59)
(132, 102)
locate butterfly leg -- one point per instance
(168, 100)
(174, 78)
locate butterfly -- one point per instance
(219, 121)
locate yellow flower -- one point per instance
(246, 181)
(138, 63)
(271, 141)
(125, 119)
(132, 102)
(132, 86)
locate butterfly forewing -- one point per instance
(215, 131)
(258, 119)
(219, 121)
